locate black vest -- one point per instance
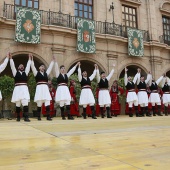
(62, 79)
(20, 78)
(130, 86)
(39, 77)
(141, 85)
(165, 88)
(103, 84)
(85, 82)
(154, 87)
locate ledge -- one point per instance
(132, 2)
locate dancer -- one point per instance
(63, 96)
(42, 94)
(86, 96)
(21, 94)
(104, 96)
(115, 91)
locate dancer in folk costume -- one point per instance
(132, 97)
(115, 91)
(166, 93)
(104, 96)
(74, 106)
(3, 66)
(86, 96)
(63, 96)
(21, 94)
(142, 94)
(42, 94)
(154, 97)
(52, 102)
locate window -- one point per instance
(83, 8)
(28, 3)
(129, 16)
(166, 28)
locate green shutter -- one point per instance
(28, 25)
(86, 42)
(135, 42)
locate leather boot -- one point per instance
(84, 113)
(18, 109)
(93, 113)
(159, 111)
(166, 111)
(62, 113)
(153, 110)
(25, 109)
(68, 113)
(39, 113)
(147, 112)
(102, 112)
(142, 111)
(108, 112)
(137, 112)
(130, 112)
(48, 113)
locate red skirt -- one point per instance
(52, 110)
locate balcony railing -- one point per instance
(66, 20)
(165, 39)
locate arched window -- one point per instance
(28, 3)
(83, 8)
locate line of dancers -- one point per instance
(65, 96)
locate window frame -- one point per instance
(27, 1)
(165, 31)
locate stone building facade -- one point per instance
(59, 35)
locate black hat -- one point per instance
(102, 72)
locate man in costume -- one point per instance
(63, 96)
(21, 94)
(74, 106)
(131, 98)
(42, 94)
(142, 94)
(86, 96)
(114, 94)
(104, 96)
(3, 66)
(154, 96)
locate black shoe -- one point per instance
(49, 118)
(130, 115)
(166, 114)
(27, 120)
(63, 118)
(18, 119)
(94, 117)
(148, 115)
(159, 114)
(109, 116)
(70, 118)
(39, 118)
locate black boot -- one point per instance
(102, 112)
(147, 112)
(39, 113)
(130, 112)
(108, 112)
(25, 109)
(18, 113)
(142, 111)
(153, 110)
(166, 111)
(62, 113)
(159, 111)
(84, 113)
(137, 112)
(48, 113)
(93, 112)
(68, 113)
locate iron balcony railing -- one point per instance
(165, 39)
(66, 20)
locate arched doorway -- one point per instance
(20, 59)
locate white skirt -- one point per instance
(154, 98)
(166, 98)
(20, 92)
(104, 97)
(62, 94)
(0, 96)
(42, 93)
(131, 97)
(142, 97)
(86, 97)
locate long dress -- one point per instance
(115, 104)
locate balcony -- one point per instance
(68, 21)
(164, 39)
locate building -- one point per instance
(59, 34)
